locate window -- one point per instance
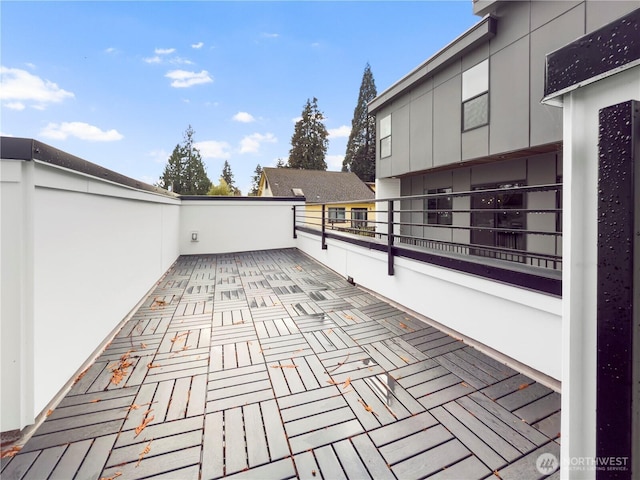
(385, 136)
(358, 218)
(336, 214)
(499, 224)
(475, 96)
(438, 209)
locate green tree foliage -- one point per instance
(281, 163)
(309, 142)
(222, 189)
(185, 172)
(255, 181)
(228, 177)
(360, 157)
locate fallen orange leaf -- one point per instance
(284, 366)
(115, 475)
(523, 386)
(402, 325)
(10, 452)
(347, 382)
(152, 365)
(145, 421)
(49, 412)
(146, 450)
(95, 400)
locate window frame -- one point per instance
(359, 222)
(333, 218)
(474, 95)
(434, 210)
(385, 141)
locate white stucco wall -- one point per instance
(225, 225)
(521, 324)
(77, 254)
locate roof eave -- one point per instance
(476, 35)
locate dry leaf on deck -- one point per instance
(49, 412)
(10, 452)
(153, 365)
(523, 386)
(284, 366)
(347, 382)
(115, 475)
(145, 421)
(146, 450)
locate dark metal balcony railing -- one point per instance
(513, 228)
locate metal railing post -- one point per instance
(390, 237)
(295, 235)
(324, 236)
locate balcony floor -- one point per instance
(268, 365)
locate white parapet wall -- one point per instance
(514, 322)
(236, 224)
(78, 253)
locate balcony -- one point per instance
(206, 337)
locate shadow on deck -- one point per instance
(268, 365)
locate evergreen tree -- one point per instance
(228, 178)
(185, 173)
(281, 163)
(309, 142)
(360, 157)
(255, 181)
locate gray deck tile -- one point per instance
(329, 464)
(267, 365)
(523, 428)
(370, 456)
(70, 461)
(17, 467)
(151, 466)
(431, 461)
(280, 470)
(469, 468)
(525, 467)
(474, 442)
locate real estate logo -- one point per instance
(547, 463)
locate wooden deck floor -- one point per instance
(267, 365)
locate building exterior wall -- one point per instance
(426, 119)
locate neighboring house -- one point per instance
(348, 200)
(470, 118)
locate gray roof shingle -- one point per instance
(317, 185)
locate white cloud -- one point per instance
(342, 131)
(270, 35)
(334, 162)
(184, 79)
(164, 51)
(155, 59)
(81, 130)
(111, 50)
(15, 105)
(213, 149)
(251, 143)
(197, 45)
(244, 117)
(296, 119)
(20, 87)
(180, 61)
(159, 156)
(31, 65)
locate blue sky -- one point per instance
(117, 83)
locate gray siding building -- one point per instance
(470, 117)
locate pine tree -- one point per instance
(228, 178)
(360, 157)
(309, 142)
(255, 181)
(185, 173)
(281, 163)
